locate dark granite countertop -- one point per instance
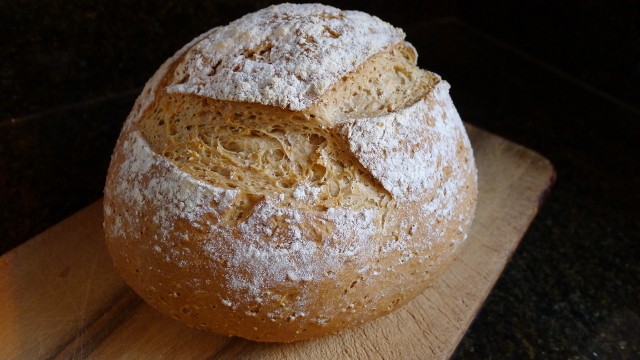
(562, 79)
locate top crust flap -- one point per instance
(285, 55)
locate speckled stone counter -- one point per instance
(70, 74)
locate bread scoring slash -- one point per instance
(289, 175)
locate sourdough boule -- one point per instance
(289, 175)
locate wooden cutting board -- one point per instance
(60, 296)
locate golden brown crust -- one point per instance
(279, 225)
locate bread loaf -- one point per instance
(289, 175)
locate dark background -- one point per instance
(560, 77)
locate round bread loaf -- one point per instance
(289, 175)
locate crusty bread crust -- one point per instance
(286, 216)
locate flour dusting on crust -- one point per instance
(409, 151)
(262, 255)
(286, 55)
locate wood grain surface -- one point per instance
(61, 298)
